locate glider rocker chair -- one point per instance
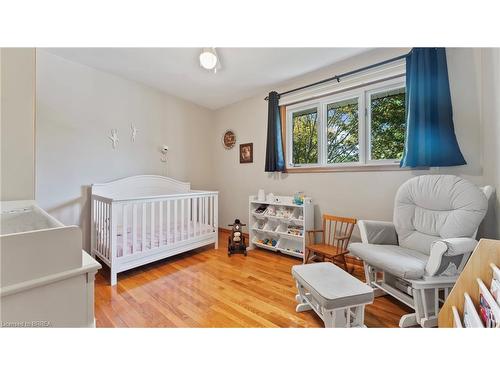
(418, 257)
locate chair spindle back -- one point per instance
(337, 231)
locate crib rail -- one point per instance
(101, 209)
(124, 228)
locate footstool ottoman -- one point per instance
(336, 296)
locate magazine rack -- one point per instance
(465, 294)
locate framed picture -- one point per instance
(228, 139)
(246, 153)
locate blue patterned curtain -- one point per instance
(430, 134)
(275, 161)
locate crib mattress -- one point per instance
(168, 238)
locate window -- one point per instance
(387, 125)
(362, 126)
(305, 136)
(342, 136)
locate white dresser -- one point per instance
(46, 279)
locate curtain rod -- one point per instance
(343, 75)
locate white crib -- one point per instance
(141, 219)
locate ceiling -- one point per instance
(245, 71)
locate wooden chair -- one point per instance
(336, 234)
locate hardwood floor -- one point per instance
(206, 288)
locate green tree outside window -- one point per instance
(305, 137)
(342, 132)
(388, 125)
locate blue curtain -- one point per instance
(430, 134)
(275, 161)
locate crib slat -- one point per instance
(105, 224)
(168, 221)
(200, 214)
(182, 219)
(160, 223)
(186, 221)
(104, 239)
(206, 214)
(101, 220)
(175, 221)
(93, 231)
(211, 212)
(152, 229)
(134, 228)
(98, 225)
(114, 218)
(189, 218)
(124, 231)
(108, 229)
(216, 218)
(143, 227)
(195, 215)
(200, 219)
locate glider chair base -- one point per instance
(425, 296)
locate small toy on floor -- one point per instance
(236, 240)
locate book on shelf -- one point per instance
(495, 283)
(489, 311)
(457, 322)
(471, 317)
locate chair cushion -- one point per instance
(331, 286)
(401, 262)
(431, 207)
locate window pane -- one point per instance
(342, 131)
(305, 137)
(388, 124)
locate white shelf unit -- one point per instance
(264, 226)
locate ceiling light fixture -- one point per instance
(209, 59)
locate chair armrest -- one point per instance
(448, 247)
(455, 246)
(378, 232)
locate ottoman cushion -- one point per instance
(331, 286)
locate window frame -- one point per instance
(363, 93)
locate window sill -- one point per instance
(357, 168)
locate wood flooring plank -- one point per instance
(206, 288)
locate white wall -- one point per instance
(491, 133)
(76, 108)
(367, 195)
(17, 118)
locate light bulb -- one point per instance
(208, 59)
